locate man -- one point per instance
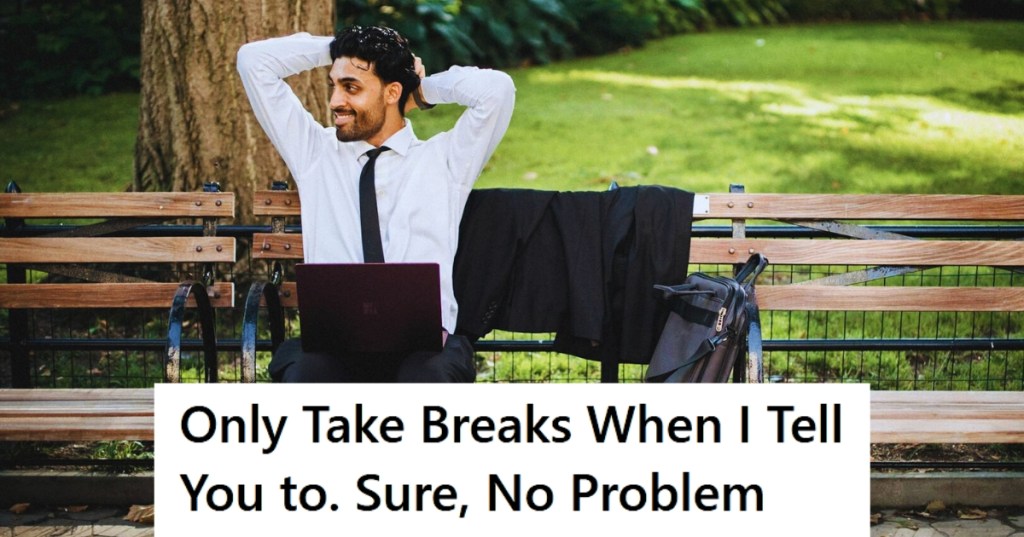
(421, 185)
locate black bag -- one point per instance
(711, 319)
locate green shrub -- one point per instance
(498, 33)
(815, 10)
(670, 17)
(480, 32)
(64, 47)
(994, 9)
(607, 25)
(509, 33)
(746, 12)
(429, 25)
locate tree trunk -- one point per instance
(195, 123)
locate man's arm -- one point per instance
(489, 97)
(263, 65)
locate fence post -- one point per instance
(17, 319)
(739, 231)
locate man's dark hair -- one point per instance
(386, 49)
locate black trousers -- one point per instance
(453, 364)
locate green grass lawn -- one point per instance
(83, 144)
(844, 108)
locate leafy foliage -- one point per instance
(122, 450)
(607, 25)
(812, 10)
(515, 32)
(996, 9)
(673, 16)
(746, 12)
(430, 25)
(64, 47)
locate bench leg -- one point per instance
(17, 321)
(250, 322)
(753, 350)
(172, 352)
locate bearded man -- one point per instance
(421, 186)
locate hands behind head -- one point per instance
(416, 97)
(418, 67)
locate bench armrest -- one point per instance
(172, 352)
(260, 291)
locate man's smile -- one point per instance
(344, 117)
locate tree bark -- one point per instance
(195, 123)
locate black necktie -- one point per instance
(373, 250)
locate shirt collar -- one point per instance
(399, 142)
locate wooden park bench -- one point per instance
(97, 265)
(835, 262)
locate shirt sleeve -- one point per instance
(490, 98)
(263, 66)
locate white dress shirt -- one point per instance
(422, 185)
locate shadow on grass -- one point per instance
(1006, 98)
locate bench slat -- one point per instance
(835, 298)
(119, 204)
(84, 429)
(76, 394)
(859, 252)
(277, 246)
(105, 295)
(893, 398)
(288, 294)
(947, 431)
(57, 409)
(963, 411)
(867, 207)
(275, 203)
(791, 206)
(780, 251)
(118, 250)
(875, 298)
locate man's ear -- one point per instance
(392, 93)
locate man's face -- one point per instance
(357, 99)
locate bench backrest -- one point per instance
(75, 252)
(845, 241)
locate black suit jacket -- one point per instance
(582, 264)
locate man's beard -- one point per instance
(365, 124)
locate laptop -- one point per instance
(369, 307)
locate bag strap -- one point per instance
(670, 291)
(688, 311)
(751, 270)
(706, 347)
